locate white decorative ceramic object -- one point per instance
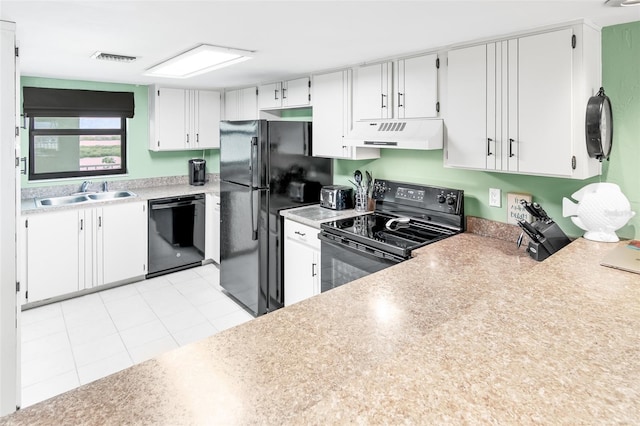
(601, 210)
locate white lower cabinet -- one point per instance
(68, 251)
(121, 242)
(212, 228)
(53, 254)
(302, 262)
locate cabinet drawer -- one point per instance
(302, 233)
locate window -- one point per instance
(76, 133)
(76, 146)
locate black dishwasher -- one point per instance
(176, 233)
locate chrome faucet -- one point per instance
(105, 186)
(84, 186)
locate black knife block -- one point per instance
(553, 239)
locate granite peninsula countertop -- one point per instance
(470, 331)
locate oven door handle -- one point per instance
(359, 247)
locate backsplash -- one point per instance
(494, 229)
(60, 190)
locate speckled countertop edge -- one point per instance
(470, 331)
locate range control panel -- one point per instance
(445, 200)
(409, 194)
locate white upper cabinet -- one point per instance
(170, 118)
(373, 96)
(518, 105)
(332, 117)
(416, 87)
(205, 111)
(182, 119)
(285, 94)
(544, 105)
(406, 88)
(241, 104)
(466, 118)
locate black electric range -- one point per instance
(406, 216)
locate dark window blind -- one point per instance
(45, 102)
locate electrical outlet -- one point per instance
(495, 197)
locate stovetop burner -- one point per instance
(371, 229)
(423, 215)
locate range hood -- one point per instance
(397, 133)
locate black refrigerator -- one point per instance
(259, 161)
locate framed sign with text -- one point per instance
(515, 210)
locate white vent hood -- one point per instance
(397, 133)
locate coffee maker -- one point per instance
(197, 171)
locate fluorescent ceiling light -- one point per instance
(622, 2)
(199, 60)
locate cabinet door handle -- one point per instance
(313, 270)
(302, 234)
(511, 147)
(489, 140)
(284, 93)
(81, 224)
(399, 100)
(382, 100)
(187, 137)
(197, 137)
(99, 221)
(275, 94)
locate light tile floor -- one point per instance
(77, 341)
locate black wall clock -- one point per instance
(599, 126)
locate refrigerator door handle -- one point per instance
(253, 162)
(254, 215)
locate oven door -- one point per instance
(344, 260)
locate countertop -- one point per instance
(315, 215)
(469, 331)
(142, 194)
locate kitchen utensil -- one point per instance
(531, 232)
(378, 190)
(357, 176)
(540, 213)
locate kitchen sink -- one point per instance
(62, 201)
(110, 195)
(82, 198)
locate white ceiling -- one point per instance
(291, 38)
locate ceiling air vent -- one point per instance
(113, 57)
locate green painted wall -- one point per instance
(142, 162)
(621, 80)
